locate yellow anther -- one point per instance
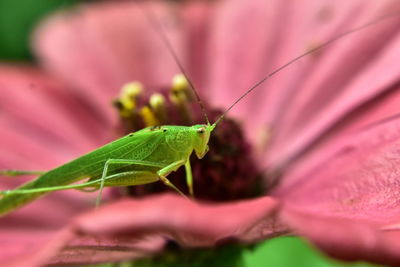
(157, 104)
(157, 100)
(127, 98)
(179, 91)
(127, 103)
(180, 95)
(132, 89)
(179, 83)
(148, 116)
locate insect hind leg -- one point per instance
(45, 189)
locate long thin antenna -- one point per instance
(334, 39)
(159, 28)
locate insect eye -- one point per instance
(201, 130)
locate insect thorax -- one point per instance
(179, 139)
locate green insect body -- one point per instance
(145, 156)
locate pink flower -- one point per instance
(330, 120)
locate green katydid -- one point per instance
(142, 157)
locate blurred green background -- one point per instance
(291, 252)
(17, 20)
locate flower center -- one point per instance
(227, 172)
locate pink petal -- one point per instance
(380, 109)
(37, 117)
(364, 241)
(101, 46)
(189, 223)
(29, 249)
(353, 71)
(303, 101)
(251, 39)
(37, 108)
(81, 249)
(196, 22)
(237, 46)
(348, 200)
(132, 228)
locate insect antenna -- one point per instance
(158, 27)
(317, 48)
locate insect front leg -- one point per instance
(189, 178)
(166, 170)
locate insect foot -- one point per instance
(227, 172)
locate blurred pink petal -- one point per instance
(27, 96)
(106, 45)
(38, 113)
(36, 246)
(373, 70)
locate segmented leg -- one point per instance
(48, 189)
(166, 170)
(189, 178)
(119, 179)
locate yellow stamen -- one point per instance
(179, 83)
(180, 90)
(157, 100)
(149, 117)
(132, 89)
(127, 98)
(180, 96)
(157, 103)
